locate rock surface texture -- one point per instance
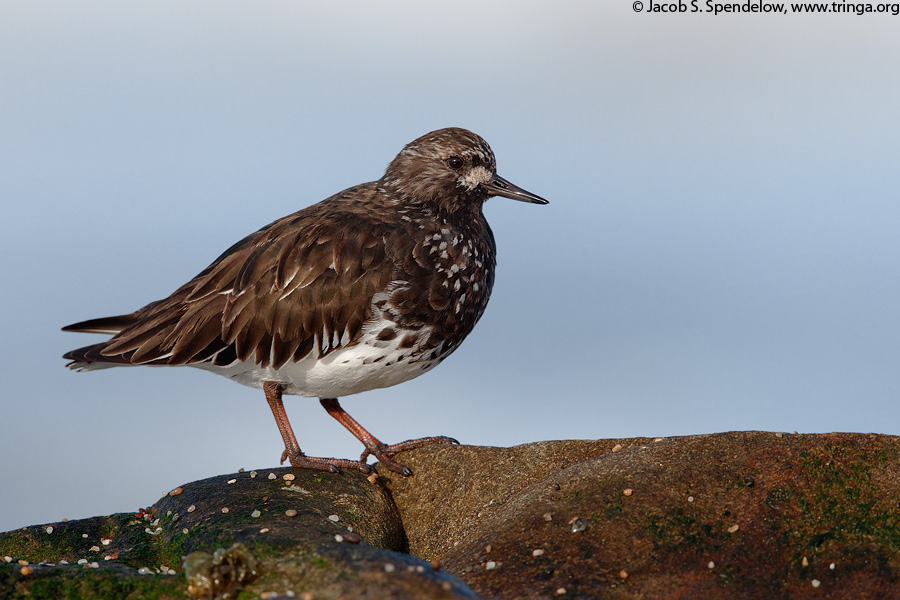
(733, 515)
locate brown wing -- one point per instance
(303, 283)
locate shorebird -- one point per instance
(369, 288)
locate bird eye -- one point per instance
(455, 162)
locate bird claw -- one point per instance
(385, 453)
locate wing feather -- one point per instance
(302, 284)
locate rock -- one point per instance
(734, 515)
(344, 540)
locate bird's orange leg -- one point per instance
(374, 446)
(292, 450)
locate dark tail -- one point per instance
(110, 325)
(90, 357)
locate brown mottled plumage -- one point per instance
(366, 289)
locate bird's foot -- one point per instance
(332, 465)
(385, 453)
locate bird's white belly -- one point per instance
(342, 372)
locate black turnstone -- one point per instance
(366, 289)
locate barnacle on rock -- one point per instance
(220, 575)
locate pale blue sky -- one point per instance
(720, 251)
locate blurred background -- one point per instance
(720, 251)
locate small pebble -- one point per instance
(264, 530)
(548, 517)
(289, 477)
(184, 531)
(831, 566)
(623, 574)
(804, 562)
(24, 563)
(94, 565)
(561, 591)
(389, 568)
(144, 571)
(7, 559)
(105, 541)
(690, 498)
(290, 512)
(334, 518)
(658, 439)
(490, 565)
(488, 548)
(578, 524)
(84, 535)
(63, 562)
(338, 538)
(241, 470)
(50, 529)
(272, 476)
(192, 508)
(307, 596)
(353, 538)
(779, 434)
(816, 583)
(711, 565)
(734, 528)
(436, 565)
(252, 474)
(176, 491)
(82, 561)
(225, 509)
(537, 552)
(230, 481)
(95, 548)
(628, 491)
(617, 447)
(372, 478)
(25, 571)
(255, 514)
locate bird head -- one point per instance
(450, 169)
